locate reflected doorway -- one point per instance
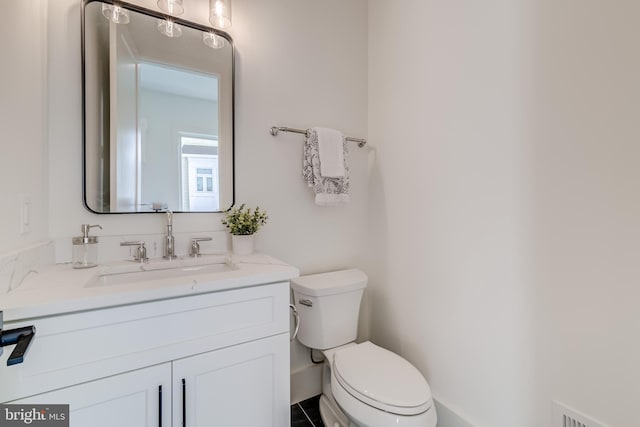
(199, 171)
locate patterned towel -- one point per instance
(329, 191)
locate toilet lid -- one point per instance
(382, 379)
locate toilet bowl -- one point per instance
(364, 385)
(375, 387)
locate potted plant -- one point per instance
(243, 223)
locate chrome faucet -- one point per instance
(169, 244)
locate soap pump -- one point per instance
(85, 248)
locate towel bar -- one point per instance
(275, 129)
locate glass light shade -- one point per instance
(169, 28)
(220, 13)
(213, 40)
(172, 7)
(115, 14)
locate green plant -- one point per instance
(244, 221)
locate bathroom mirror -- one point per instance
(158, 112)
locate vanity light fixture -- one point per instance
(115, 13)
(220, 14)
(172, 7)
(213, 40)
(169, 28)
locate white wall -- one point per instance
(586, 206)
(448, 259)
(505, 196)
(23, 121)
(301, 64)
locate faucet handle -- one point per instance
(195, 246)
(141, 251)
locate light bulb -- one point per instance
(172, 7)
(115, 14)
(220, 13)
(169, 28)
(213, 40)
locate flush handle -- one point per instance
(296, 316)
(306, 302)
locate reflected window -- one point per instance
(202, 176)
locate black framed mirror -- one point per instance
(158, 112)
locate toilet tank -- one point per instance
(328, 305)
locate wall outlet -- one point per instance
(26, 213)
(563, 416)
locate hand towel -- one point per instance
(328, 191)
(331, 149)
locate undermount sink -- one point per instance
(159, 273)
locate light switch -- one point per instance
(25, 213)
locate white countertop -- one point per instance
(60, 289)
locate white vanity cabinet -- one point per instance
(236, 386)
(212, 359)
(134, 399)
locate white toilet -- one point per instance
(363, 385)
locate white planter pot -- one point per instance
(242, 244)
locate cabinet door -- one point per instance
(241, 386)
(133, 399)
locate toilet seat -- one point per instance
(381, 379)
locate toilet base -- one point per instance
(330, 412)
(331, 415)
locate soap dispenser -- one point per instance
(85, 248)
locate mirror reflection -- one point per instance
(158, 114)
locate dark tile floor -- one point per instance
(306, 413)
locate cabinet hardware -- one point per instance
(21, 337)
(160, 406)
(184, 403)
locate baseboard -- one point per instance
(306, 382)
(447, 417)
